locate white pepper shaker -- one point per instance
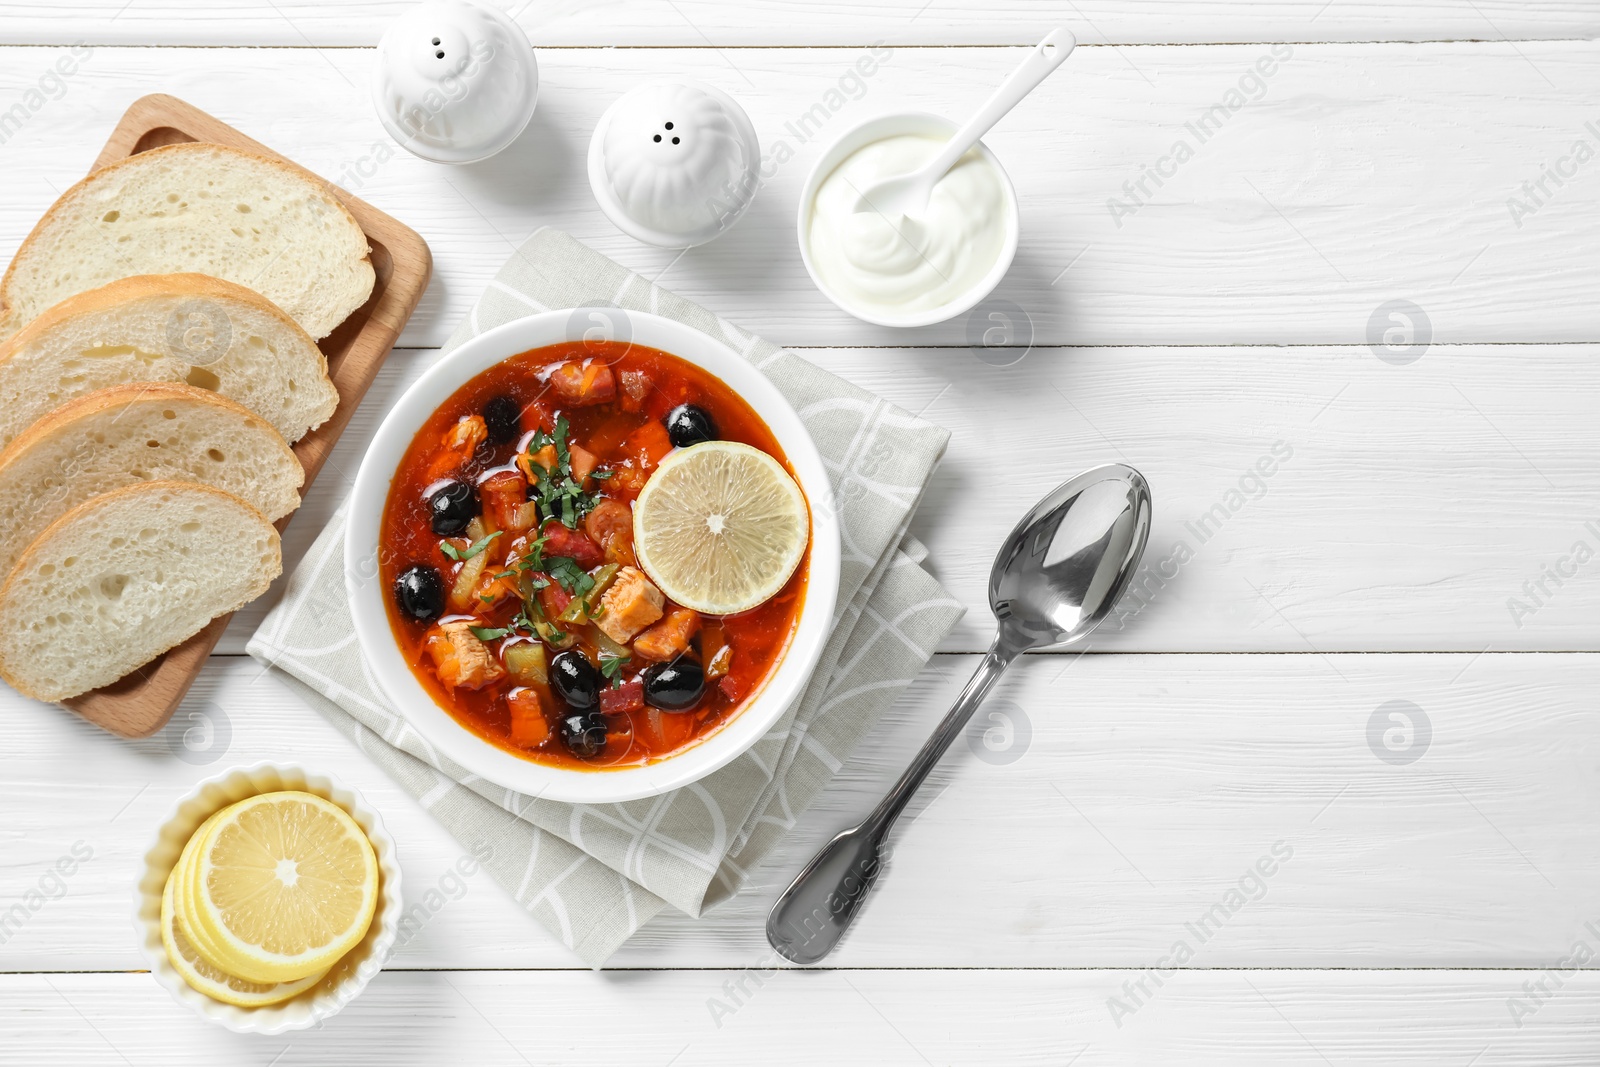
(454, 82)
(674, 164)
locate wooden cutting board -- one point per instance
(141, 703)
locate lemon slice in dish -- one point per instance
(284, 884)
(182, 882)
(720, 527)
(206, 977)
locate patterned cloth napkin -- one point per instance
(593, 874)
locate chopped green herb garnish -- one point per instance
(476, 548)
(532, 558)
(611, 667)
(558, 494)
(573, 578)
(489, 633)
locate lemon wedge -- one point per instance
(207, 977)
(720, 527)
(283, 884)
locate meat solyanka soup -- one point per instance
(539, 609)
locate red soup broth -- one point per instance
(625, 434)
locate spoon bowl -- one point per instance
(1071, 557)
(1056, 577)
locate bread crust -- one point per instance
(113, 396)
(93, 504)
(139, 286)
(8, 311)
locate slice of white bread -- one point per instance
(167, 328)
(196, 207)
(150, 432)
(125, 576)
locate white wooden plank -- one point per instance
(693, 23)
(915, 1018)
(1142, 790)
(1415, 504)
(1348, 184)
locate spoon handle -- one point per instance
(812, 915)
(1046, 56)
(988, 673)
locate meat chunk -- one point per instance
(629, 605)
(457, 445)
(505, 496)
(635, 388)
(531, 465)
(463, 661)
(583, 384)
(668, 638)
(467, 434)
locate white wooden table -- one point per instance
(1440, 902)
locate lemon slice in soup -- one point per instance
(720, 527)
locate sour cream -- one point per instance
(905, 265)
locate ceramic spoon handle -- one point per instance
(1046, 56)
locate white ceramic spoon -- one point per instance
(908, 194)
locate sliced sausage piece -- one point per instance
(560, 541)
(610, 525)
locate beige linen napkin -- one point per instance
(593, 874)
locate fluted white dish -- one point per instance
(347, 978)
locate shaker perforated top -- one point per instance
(674, 163)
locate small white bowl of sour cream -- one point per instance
(906, 271)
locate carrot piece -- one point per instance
(529, 728)
(668, 638)
(649, 444)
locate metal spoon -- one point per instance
(907, 194)
(1057, 577)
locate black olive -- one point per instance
(575, 680)
(689, 425)
(453, 507)
(503, 416)
(584, 733)
(420, 591)
(674, 686)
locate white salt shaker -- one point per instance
(674, 164)
(454, 82)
